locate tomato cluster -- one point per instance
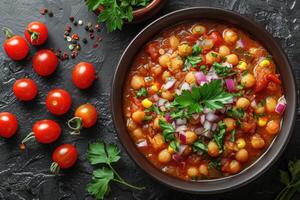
(58, 101)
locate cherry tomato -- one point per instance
(15, 46)
(25, 89)
(58, 101)
(217, 38)
(192, 39)
(64, 156)
(44, 131)
(36, 33)
(8, 124)
(83, 75)
(44, 62)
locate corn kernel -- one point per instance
(262, 121)
(264, 63)
(147, 103)
(242, 65)
(154, 88)
(170, 150)
(241, 143)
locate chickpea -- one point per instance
(230, 36)
(190, 77)
(213, 149)
(234, 167)
(164, 60)
(273, 127)
(165, 75)
(248, 80)
(192, 172)
(240, 143)
(131, 125)
(253, 50)
(176, 64)
(230, 124)
(157, 141)
(203, 169)
(156, 70)
(137, 82)
(156, 125)
(224, 51)
(138, 134)
(211, 57)
(174, 42)
(232, 59)
(242, 155)
(199, 29)
(257, 142)
(185, 50)
(164, 156)
(187, 151)
(167, 95)
(191, 137)
(138, 116)
(260, 110)
(242, 102)
(270, 104)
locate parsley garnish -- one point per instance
(197, 49)
(215, 163)
(142, 93)
(99, 153)
(232, 138)
(200, 146)
(219, 136)
(191, 61)
(116, 11)
(236, 113)
(175, 145)
(223, 71)
(168, 130)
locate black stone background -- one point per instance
(25, 175)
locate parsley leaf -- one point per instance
(232, 138)
(220, 135)
(99, 153)
(197, 49)
(200, 146)
(175, 145)
(168, 130)
(215, 163)
(223, 71)
(142, 93)
(191, 61)
(236, 113)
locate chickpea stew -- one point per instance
(203, 100)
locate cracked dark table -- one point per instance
(25, 174)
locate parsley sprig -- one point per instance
(168, 130)
(100, 153)
(223, 71)
(116, 11)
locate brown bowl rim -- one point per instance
(266, 159)
(148, 8)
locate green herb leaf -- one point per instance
(284, 177)
(232, 138)
(220, 135)
(223, 71)
(168, 130)
(215, 163)
(236, 113)
(100, 182)
(197, 49)
(200, 146)
(142, 93)
(99, 153)
(175, 145)
(191, 61)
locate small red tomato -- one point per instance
(64, 156)
(58, 101)
(15, 46)
(217, 38)
(25, 89)
(83, 75)
(44, 131)
(44, 62)
(8, 124)
(85, 116)
(36, 33)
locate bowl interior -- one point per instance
(258, 33)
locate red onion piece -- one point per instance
(207, 125)
(169, 84)
(182, 148)
(168, 117)
(200, 77)
(142, 143)
(180, 122)
(230, 85)
(253, 104)
(280, 107)
(182, 137)
(185, 86)
(161, 102)
(214, 126)
(155, 97)
(199, 130)
(177, 157)
(181, 128)
(211, 117)
(202, 119)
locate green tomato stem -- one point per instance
(29, 137)
(54, 168)
(75, 124)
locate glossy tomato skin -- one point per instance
(46, 131)
(8, 124)
(83, 75)
(58, 101)
(16, 47)
(36, 33)
(44, 62)
(65, 156)
(217, 38)
(88, 115)
(25, 89)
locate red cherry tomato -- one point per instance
(64, 156)
(44, 62)
(15, 46)
(25, 89)
(58, 101)
(83, 75)
(8, 124)
(36, 33)
(217, 38)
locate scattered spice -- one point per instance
(98, 27)
(74, 54)
(75, 23)
(84, 40)
(91, 30)
(75, 36)
(80, 22)
(86, 27)
(43, 11)
(50, 14)
(71, 18)
(95, 45)
(68, 28)
(69, 39)
(92, 35)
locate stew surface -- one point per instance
(203, 100)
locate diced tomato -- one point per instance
(225, 165)
(152, 50)
(274, 78)
(216, 36)
(192, 39)
(263, 80)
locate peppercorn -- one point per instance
(65, 56)
(71, 18)
(95, 45)
(84, 40)
(75, 23)
(66, 33)
(86, 27)
(43, 11)
(77, 47)
(74, 54)
(68, 28)
(91, 30)
(97, 27)
(92, 35)
(89, 24)
(50, 14)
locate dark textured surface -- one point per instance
(25, 175)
